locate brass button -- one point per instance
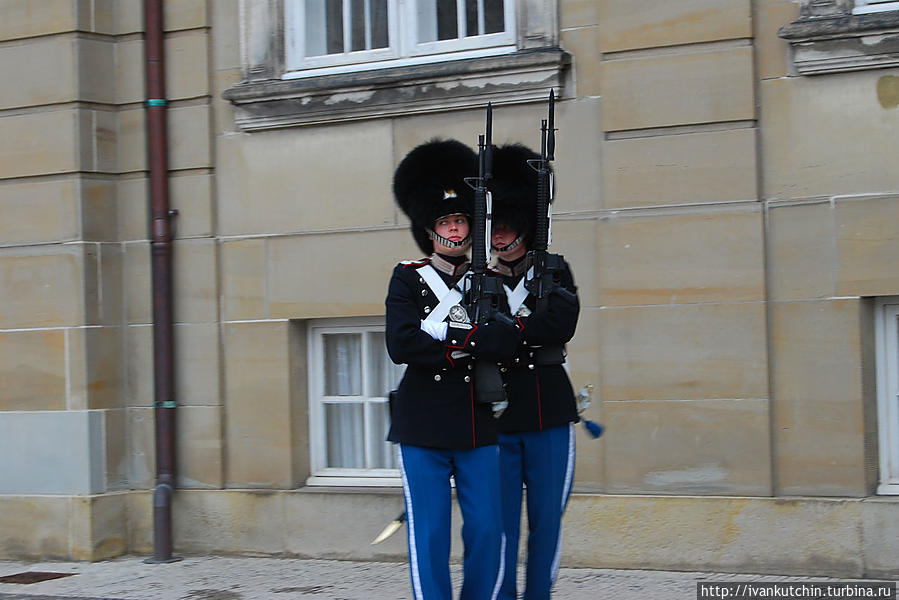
(503, 369)
(455, 343)
(470, 366)
(427, 309)
(424, 292)
(517, 361)
(531, 366)
(467, 378)
(437, 377)
(421, 280)
(472, 344)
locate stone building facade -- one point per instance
(727, 194)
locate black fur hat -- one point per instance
(515, 190)
(429, 184)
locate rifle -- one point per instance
(547, 267)
(484, 290)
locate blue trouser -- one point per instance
(544, 462)
(426, 486)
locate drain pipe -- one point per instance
(161, 251)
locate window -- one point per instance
(315, 62)
(350, 376)
(870, 6)
(887, 340)
(328, 36)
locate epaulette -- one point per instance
(415, 263)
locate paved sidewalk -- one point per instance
(242, 578)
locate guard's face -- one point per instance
(503, 235)
(453, 228)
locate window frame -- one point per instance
(862, 7)
(403, 50)
(320, 473)
(887, 361)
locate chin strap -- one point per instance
(445, 242)
(511, 245)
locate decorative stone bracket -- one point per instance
(828, 38)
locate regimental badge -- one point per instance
(523, 311)
(458, 314)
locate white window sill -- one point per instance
(842, 42)
(524, 76)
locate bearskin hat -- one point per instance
(515, 190)
(429, 184)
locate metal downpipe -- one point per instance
(161, 256)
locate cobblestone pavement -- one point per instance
(242, 578)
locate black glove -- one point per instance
(495, 340)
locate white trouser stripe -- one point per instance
(502, 569)
(569, 475)
(410, 523)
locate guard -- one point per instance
(441, 430)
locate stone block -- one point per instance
(773, 51)
(116, 428)
(281, 171)
(129, 16)
(258, 404)
(99, 141)
(818, 420)
(43, 143)
(141, 448)
(130, 73)
(575, 240)
(364, 515)
(583, 44)
(99, 527)
(769, 535)
(137, 277)
(99, 16)
(867, 239)
(197, 364)
(199, 442)
(232, 522)
(39, 211)
(584, 368)
(35, 527)
(134, 209)
(692, 168)
(52, 452)
(99, 210)
(195, 280)
(225, 18)
(223, 111)
(719, 447)
(243, 279)
(187, 14)
(44, 71)
(33, 370)
(138, 358)
(801, 260)
(683, 352)
(133, 140)
(95, 367)
(580, 150)
(880, 532)
(579, 13)
(854, 155)
(30, 18)
(191, 196)
(647, 24)
(352, 283)
(42, 286)
(192, 147)
(678, 89)
(140, 518)
(672, 257)
(111, 300)
(187, 65)
(96, 70)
